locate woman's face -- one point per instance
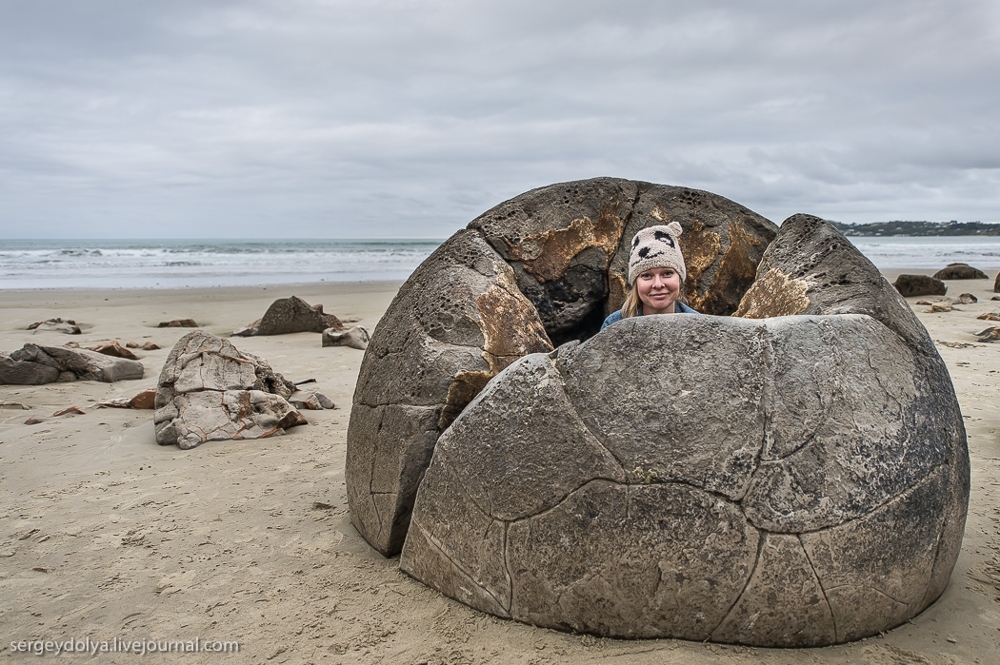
(658, 289)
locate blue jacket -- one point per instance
(615, 317)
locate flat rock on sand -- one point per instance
(33, 364)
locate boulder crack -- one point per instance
(819, 583)
(565, 497)
(753, 569)
(436, 544)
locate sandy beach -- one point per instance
(105, 535)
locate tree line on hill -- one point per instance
(952, 228)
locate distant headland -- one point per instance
(952, 228)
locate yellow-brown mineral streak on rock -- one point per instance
(735, 268)
(464, 387)
(511, 329)
(548, 255)
(700, 249)
(774, 294)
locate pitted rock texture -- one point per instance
(789, 480)
(544, 267)
(34, 365)
(208, 390)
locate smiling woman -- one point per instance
(656, 275)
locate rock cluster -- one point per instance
(540, 269)
(209, 390)
(33, 364)
(796, 476)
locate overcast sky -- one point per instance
(372, 118)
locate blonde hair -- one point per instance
(630, 307)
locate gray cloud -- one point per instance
(395, 118)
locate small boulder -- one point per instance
(939, 307)
(356, 337)
(70, 410)
(34, 365)
(114, 349)
(919, 285)
(988, 335)
(143, 400)
(311, 400)
(989, 316)
(290, 315)
(178, 323)
(209, 390)
(960, 271)
(67, 326)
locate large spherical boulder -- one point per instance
(796, 475)
(536, 271)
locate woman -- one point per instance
(656, 275)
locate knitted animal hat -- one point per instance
(656, 247)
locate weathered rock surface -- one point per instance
(67, 326)
(960, 271)
(546, 266)
(33, 365)
(209, 390)
(355, 337)
(919, 285)
(290, 315)
(795, 477)
(996, 284)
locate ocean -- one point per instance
(33, 264)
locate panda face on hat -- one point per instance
(656, 247)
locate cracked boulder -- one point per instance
(209, 390)
(34, 365)
(538, 270)
(797, 475)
